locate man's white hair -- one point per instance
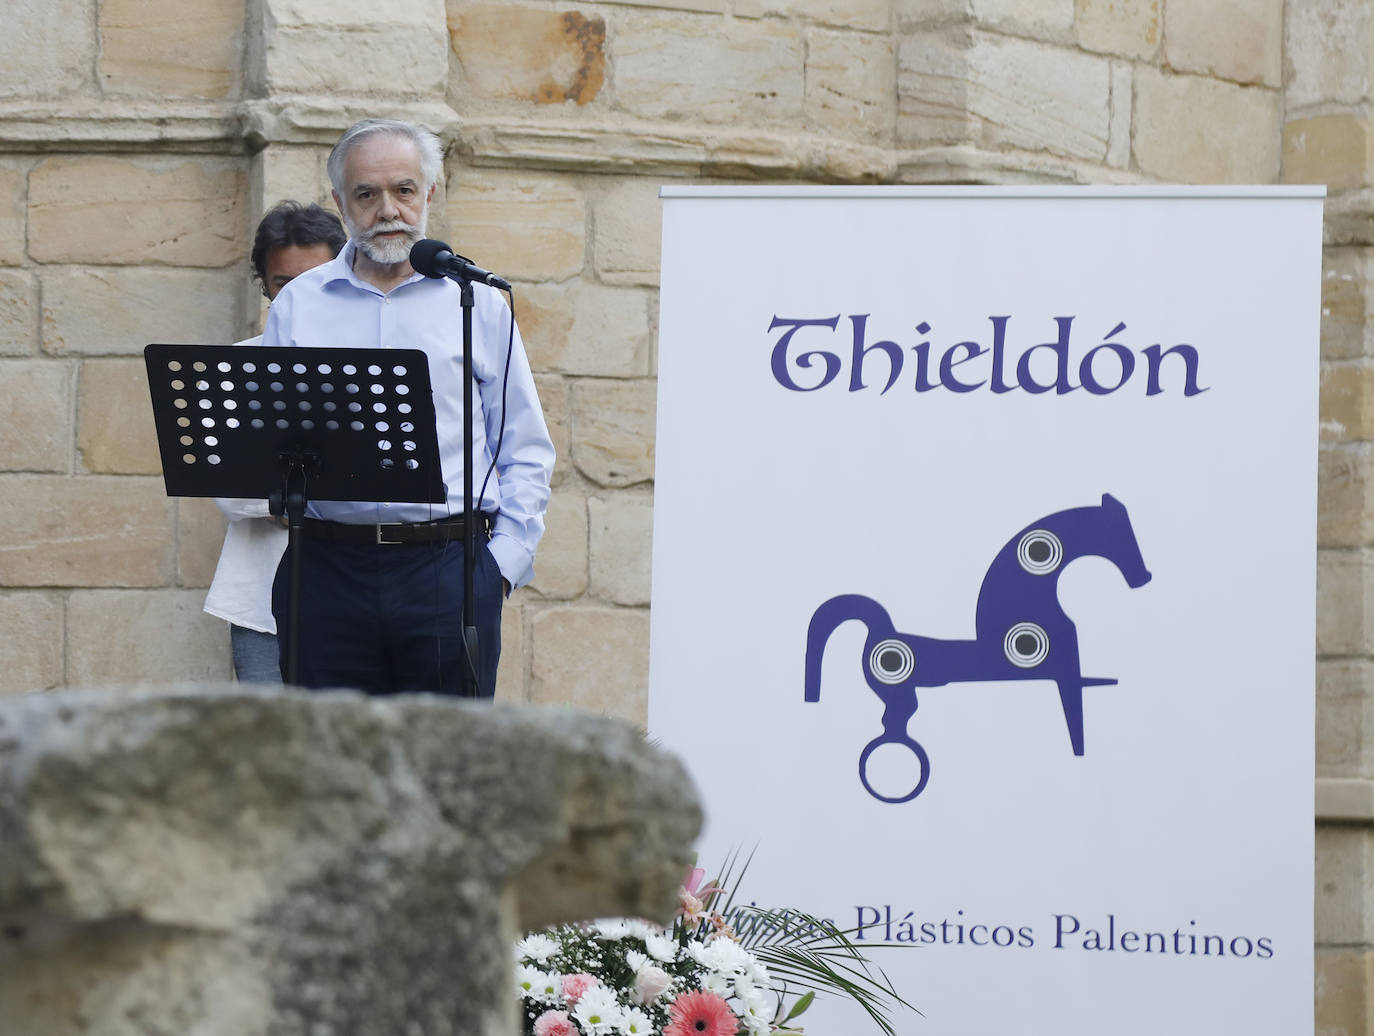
(431, 151)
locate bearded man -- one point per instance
(382, 583)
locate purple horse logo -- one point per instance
(1022, 632)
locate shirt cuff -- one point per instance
(511, 558)
(235, 508)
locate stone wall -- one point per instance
(138, 144)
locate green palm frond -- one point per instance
(809, 951)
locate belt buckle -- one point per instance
(388, 525)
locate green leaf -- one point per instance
(800, 1006)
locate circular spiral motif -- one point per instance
(1040, 552)
(1026, 645)
(891, 661)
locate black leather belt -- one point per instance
(441, 530)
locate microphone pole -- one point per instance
(435, 259)
(470, 644)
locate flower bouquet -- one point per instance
(713, 972)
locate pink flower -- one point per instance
(693, 884)
(650, 982)
(575, 985)
(690, 907)
(554, 1023)
(694, 896)
(700, 1013)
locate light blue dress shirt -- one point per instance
(331, 307)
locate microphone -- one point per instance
(435, 259)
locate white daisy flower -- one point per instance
(642, 929)
(528, 978)
(634, 1022)
(635, 960)
(598, 1012)
(758, 971)
(757, 1010)
(721, 955)
(612, 927)
(537, 948)
(714, 982)
(661, 947)
(547, 988)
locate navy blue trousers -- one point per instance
(387, 618)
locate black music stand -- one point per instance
(290, 425)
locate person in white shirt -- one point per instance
(291, 239)
(383, 581)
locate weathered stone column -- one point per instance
(1329, 56)
(259, 864)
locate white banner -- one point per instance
(984, 588)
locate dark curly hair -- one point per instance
(291, 223)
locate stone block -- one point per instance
(1195, 130)
(524, 227)
(1343, 871)
(1040, 19)
(344, 48)
(47, 49)
(158, 48)
(99, 209)
(960, 87)
(1347, 401)
(114, 418)
(849, 85)
(200, 535)
(284, 172)
(18, 313)
(143, 637)
(31, 650)
(870, 15)
(1345, 586)
(543, 311)
(1345, 981)
(560, 569)
(934, 84)
(592, 658)
(627, 239)
(13, 194)
(554, 398)
(374, 57)
(510, 671)
(1328, 52)
(1341, 708)
(1346, 309)
(1240, 40)
(597, 330)
(1125, 28)
(529, 54)
(90, 531)
(35, 415)
(621, 535)
(1345, 495)
(701, 69)
(117, 311)
(612, 430)
(210, 860)
(1327, 149)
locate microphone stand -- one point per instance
(472, 649)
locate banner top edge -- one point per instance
(1286, 191)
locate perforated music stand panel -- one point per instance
(226, 414)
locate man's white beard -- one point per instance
(389, 253)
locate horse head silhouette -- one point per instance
(1022, 632)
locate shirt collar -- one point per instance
(340, 269)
